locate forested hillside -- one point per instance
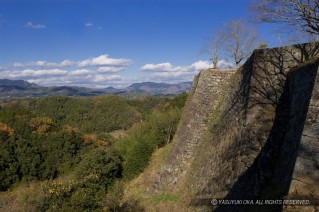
(62, 153)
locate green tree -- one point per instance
(9, 166)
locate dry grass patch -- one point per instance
(21, 199)
(118, 134)
(138, 187)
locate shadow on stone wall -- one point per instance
(270, 175)
(271, 67)
(273, 84)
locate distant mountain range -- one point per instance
(16, 83)
(154, 88)
(20, 89)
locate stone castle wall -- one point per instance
(249, 134)
(305, 178)
(194, 122)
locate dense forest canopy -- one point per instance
(66, 143)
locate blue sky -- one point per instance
(100, 43)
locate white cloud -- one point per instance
(168, 67)
(91, 72)
(40, 63)
(201, 65)
(88, 24)
(107, 69)
(106, 78)
(80, 72)
(158, 67)
(2, 68)
(58, 77)
(66, 63)
(18, 65)
(44, 64)
(52, 81)
(31, 25)
(37, 73)
(167, 72)
(223, 64)
(100, 71)
(102, 60)
(174, 75)
(105, 60)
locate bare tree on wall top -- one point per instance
(240, 39)
(300, 14)
(234, 42)
(213, 48)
